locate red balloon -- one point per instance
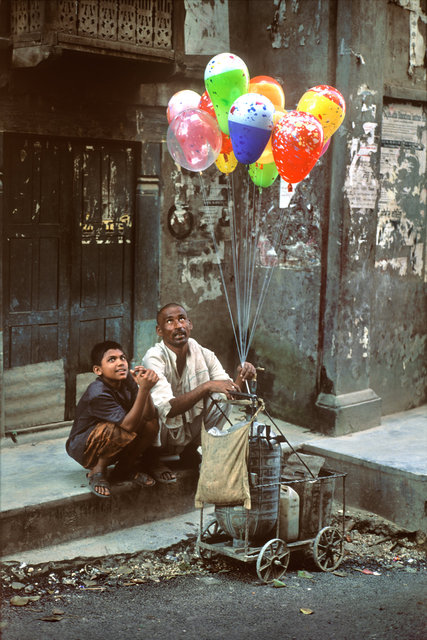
(297, 144)
(205, 104)
(227, 146)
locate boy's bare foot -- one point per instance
(99, 485)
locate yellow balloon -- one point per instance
(327, 105)
(226, 162)
(267, 155)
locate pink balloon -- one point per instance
(194, 139)
(326, 146)
(185, 99)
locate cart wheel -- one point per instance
(328, 549)
(273, 560)
(210, 534)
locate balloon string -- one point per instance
(277, 242)
(217, 253)
(244, 258)
(234, 251)
(252, 253)
(245, 245)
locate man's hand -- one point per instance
(246, 371)
(223, 386)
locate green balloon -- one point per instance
(223, 90)
(263, 175)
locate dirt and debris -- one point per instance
(374, 543)
(372, 546)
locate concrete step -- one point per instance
(151, 536)
(45, 497)
(386, 467)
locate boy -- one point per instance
(115, 420)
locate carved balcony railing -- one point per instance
(138, 29)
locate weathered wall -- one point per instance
(327, 326)
(399, 330)
(372, 341)
(346, 309)
(292, 42)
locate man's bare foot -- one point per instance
(162, 473)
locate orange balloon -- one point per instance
(267, 155)
(270, 88)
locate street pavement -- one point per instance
(232, 606)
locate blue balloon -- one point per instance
(250, 122)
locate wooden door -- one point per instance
(69, 208)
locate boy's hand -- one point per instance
(145, 378)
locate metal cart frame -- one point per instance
(272, 558)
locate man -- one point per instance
(115, 420)
(188, 375)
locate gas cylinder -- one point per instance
(264, 477)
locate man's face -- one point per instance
(174, 327)
(114, 367)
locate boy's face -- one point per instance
(114, 367)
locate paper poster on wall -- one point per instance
(286, 194)
(401, 225)
(361, 184)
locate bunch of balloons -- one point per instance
(238, 119)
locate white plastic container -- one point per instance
(288, 514)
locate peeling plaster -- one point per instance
(401, 348)
(344, 50)
(139, 116)
(397, 264)
(202, 276)
(417, 46)
(281, 38)
(364, 341)
(197, 261)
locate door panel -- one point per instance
(105, 177)
(68, 236)
(34, 261)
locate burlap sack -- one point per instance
(223, 476)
